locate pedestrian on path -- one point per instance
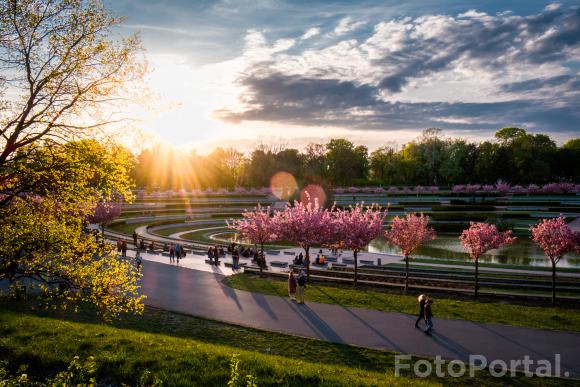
(138, 260)
(422, 298)
(171, 253)
(428, 316)
(235, 258)
(301, 286)
(118, 246)
(123, 249)
(292, 285)
(178, 250)
(135, 238)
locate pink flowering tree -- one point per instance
(105, 213)
(556, 239)
(408, 234)
(354, 228)
(258, 227)
(305, 224)
(479, 238)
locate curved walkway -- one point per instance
(202, 293)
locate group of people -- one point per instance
(425, 313)
(176, 252)
(122, 248)
(296, 285)
(214, 253)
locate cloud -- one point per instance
(347, 25)
(310, 101)
(507, 63)
(311, 32)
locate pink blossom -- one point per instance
(480, 238)
(241, 190)
(208, 191)
(472, 188)
(556, 239)
(105, 212)
(488, 188)
(339, 190)
(502, 187)
(222, 191)
(420, 189)
(433, 189)
(380, 190)
(458, 188)
(368, 189)
(518, 189)
(352, 189)
(355, 228)
(393, 190)
(408, 234)
(257, 226)
(532, 188)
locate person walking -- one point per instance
(210, 255)
(178, 250)
(235, 258)
(123, 249)
(171, 253)
(135, 238)
(138, 260)
(292, 285)
(422, 298)
(428, 316)
(119, 246)
(301, 286)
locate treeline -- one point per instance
(513, 155)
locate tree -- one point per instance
(356, 227)
(64, 69)
(44, 240)
(258, 227)
(347, 164)
(105, 213)
(480, 238)
(556, 239)
(408, 234)
(305, 224)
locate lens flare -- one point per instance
(283, 185)
(313, 192)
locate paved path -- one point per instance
(202, 293)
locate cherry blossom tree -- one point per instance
(480, 238)
(556, 239)
(305, 224)
(408, 234)
(105, 213)
(355, 227)
(258, 227)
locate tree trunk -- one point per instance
(355, 267)
(262, 259)
(307, 257)
(476, 288)
(553, 282)
(406, 273)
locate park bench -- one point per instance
(339, 265)
(212, 262)
(289, 253)
(367, 262)
(331, 259)
(279, 263)
(348, 261)
(272, 252)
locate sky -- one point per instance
(242, 72)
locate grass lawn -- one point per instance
(459, 307)
(184, 351)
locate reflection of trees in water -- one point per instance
(522, 252)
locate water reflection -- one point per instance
(522, 252)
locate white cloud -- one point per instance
(311, 32)
(347, 25)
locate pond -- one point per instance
(523, 252)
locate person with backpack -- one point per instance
(301, 286)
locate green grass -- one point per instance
(460, 307)
(183, 351)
